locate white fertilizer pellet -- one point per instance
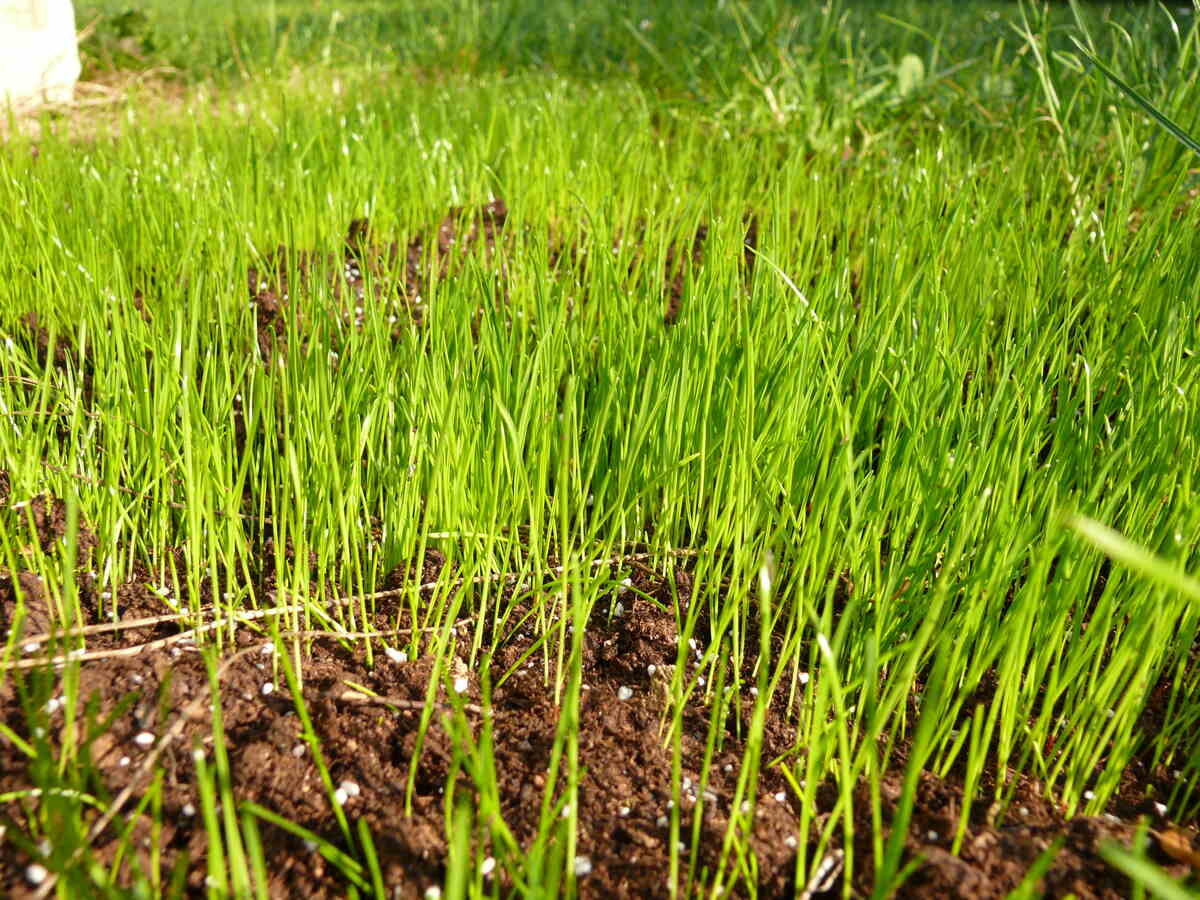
(396, 656)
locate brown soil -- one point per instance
(624, 794)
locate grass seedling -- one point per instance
(517, 346)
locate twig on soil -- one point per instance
(822, 880)
(190, 636)
(236, 618)
(362, 699)
(251, 615)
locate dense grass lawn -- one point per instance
(516, 449)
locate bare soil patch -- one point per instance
(624, 796)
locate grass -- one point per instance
(971, 321)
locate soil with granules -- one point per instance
(368, 715)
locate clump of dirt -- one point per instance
(388, 278)
(996, 856)
(47, 516)
(482, 234)
(40, 522)
(32, 591)
(677, 266)
(749, 246)
(57, 352)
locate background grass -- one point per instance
(971, 318)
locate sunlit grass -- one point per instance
(970, 318)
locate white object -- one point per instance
(39, 56)
(396, 656)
